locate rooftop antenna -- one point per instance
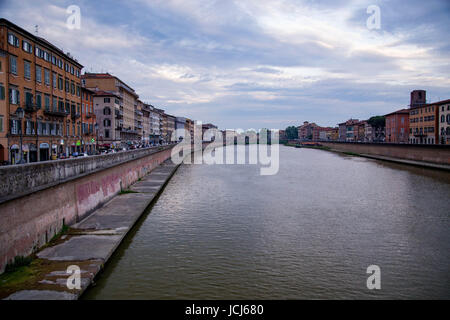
(36, 29)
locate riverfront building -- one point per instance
(109, 115)
(40, 97)
(305, 131)
(397, 126)
(129, 99)
(88, 121)
(423, 120)
(444, 121)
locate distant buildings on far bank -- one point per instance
(420, 123)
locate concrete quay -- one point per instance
(90, 243)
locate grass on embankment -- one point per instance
(23, 271)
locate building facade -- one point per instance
(305, 131)
(129, 98)
(88, 121)
(109, 118)
(397, 126)
(444, 121)
(40, 102)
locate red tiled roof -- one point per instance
(401, 111)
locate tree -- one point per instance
(378, 124)
(292, 133)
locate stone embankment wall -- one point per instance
(438, 154)
(37, 199)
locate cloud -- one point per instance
(257, 62)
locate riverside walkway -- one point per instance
(90, 243)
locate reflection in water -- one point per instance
(225, 232)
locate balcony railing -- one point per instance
(119, 113)
(31, 107)
(75, 115)
(55, 112)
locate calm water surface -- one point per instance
(311, 231)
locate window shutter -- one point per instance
(18, 96)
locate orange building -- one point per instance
(423, 126)
(40, 97)
(397, 126)
(88, 120)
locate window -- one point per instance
(47, 102)
(78, 91)
(27, 47)
(60, 63)
(106, 133)
(442, 118)
(54, 103)
(47, 56)
(1, 123)
(54, 80)
(38, 100)
(38, 74)
(26, 69)
(13, 40)
(67, 85)
(45, 129)
(60, 83)
(106, 100)
(72, 88)
(67, 67)
(13, 64)
(2, 92)
(106, 123)
(29, 127)
(28, 99)
(107, 111)
(72, 70)
(53, 59)
(47, 77)
(14, 96)
(16, 126)
(448, 118)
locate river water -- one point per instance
(308, 232)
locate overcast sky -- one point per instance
(257, 63)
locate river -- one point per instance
(308, 232)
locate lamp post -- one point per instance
(96, 138)
(20, 113)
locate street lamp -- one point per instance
(96, 139)
(20, 113)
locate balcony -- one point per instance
(55, 113)
(119, 128)
(75, 115)
(119, 114)
(31, 107)
(89, 115)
